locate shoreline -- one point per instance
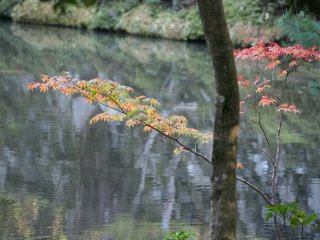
(140, 20)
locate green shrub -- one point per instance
(248, 11)
(6, 6)
(155, 21)
(34, 11)
(108, 15)
(181, 235)
(194, 29)
(152, 1)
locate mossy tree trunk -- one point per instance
(226, 121)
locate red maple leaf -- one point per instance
(285, 107)
(266, 101)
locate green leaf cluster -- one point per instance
(292, 213)
(284, 210)
(299, 217)
(180, 235)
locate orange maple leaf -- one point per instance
(285, 107)
(240, 166)
(266, 101)
(283, 73)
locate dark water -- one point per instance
(61, 178)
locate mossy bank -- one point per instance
(248, 21)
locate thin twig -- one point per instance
(262, 129)
(285, 226)
(184, 146)
(277, 159)
(177, 141)
(277, 156)
(277, 227)
(256, 189)
(284, 85)
(270, 157)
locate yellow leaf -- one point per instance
(154, 102)
(147, 129)
(240, 166)
(178, 150)
(131, 123)
(43, 87)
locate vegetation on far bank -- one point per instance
(249, 21)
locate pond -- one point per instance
(61, 178)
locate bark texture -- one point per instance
(226, 121)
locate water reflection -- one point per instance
(61, 178)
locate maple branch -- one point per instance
(256, 189)
(262, 129)
(284, 84)
(163, 138)
(273, 77)
(271, 159)
(184, 146)
(267, 154)
(279, 127)
(88, 93)
(277, 158)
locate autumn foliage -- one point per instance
(273, 57)
(142, 111)
(121, 106)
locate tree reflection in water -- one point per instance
(61, 177)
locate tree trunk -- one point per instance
(226, 121)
